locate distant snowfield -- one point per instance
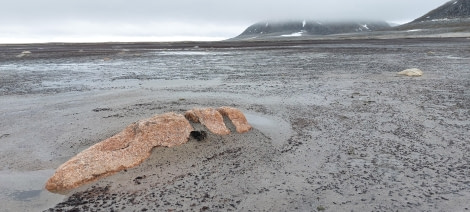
(295, 34)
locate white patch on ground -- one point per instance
(189, 53)
(24, 53)
(412, 72)
(443, 19)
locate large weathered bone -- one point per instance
(237, 118)
(124, 150)
(209, 117)
(134, 144)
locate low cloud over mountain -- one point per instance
(308, 28)
(452, 17)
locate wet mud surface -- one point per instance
(335, 128)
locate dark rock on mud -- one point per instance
(198, 135)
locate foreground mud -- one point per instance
(334, 127)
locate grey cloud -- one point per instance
(164, 17)
(214, 10)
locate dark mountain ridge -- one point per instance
(455, 9)
(309, 27)
(453, 14)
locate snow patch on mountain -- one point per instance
(295, 34)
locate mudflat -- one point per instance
(334, 126)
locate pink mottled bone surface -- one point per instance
(237, 117)
(209, 117)
(124, 150)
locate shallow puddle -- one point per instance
(24, 191)
(25, 195)
(275, 128)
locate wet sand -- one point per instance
(335, 128)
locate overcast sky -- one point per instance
(152, 20)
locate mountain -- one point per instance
(308, 28)
(455, 9)
(453, 14)
(449, 20)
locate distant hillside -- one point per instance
(308, 28)
(450, 10)
(450, 19)
(455, 13)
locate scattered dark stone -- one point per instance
(198, 135)
(4, 135)
(137, 179)
(101, 109)
(114, 116)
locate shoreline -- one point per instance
(334, 126)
